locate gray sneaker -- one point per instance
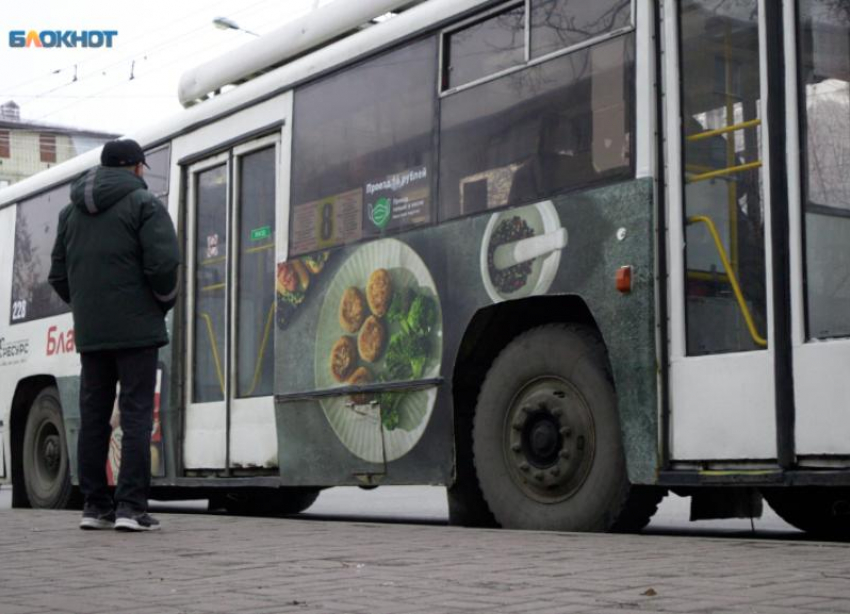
(139, 522)
(97, 521)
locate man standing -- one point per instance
(115, 261)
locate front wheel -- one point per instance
(47, 478)
(547, 447)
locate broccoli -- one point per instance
(399, 306)
(422, 315)
(407, 354)
(390, 417)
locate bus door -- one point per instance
(719, 207)
(232, 199)
(818, 94)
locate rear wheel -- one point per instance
(252, 502)
(547, 447)
(819, 511)
(47, 478)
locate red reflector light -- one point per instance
(624, 279)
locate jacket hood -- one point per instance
(102, 187)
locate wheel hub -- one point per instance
(549, 439)
(48, 449)
(51, 453)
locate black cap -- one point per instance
(123, 152)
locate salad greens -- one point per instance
(409, 348)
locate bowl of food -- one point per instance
(521, 251)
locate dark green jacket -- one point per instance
(115, 261)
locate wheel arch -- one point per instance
(487, 333)
(492, 328)
(631, 359)
(25, 393)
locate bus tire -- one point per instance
(547, 447)
(265, 502)
(819, 511)
(47, 476)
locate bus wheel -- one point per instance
(546, 438)
(819, 511)
(263, 502)
(47, 478)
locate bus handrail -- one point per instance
(733, 128)
(206, 317)
(733, 280)
(262, 352)
(731, 170)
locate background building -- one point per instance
(27, 147)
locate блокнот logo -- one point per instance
(61, 38)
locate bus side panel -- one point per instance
(7, 388)
(331, 439)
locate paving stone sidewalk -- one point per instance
(210, 564)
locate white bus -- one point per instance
(560, 256)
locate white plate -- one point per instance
(541, 218)
(359, 427)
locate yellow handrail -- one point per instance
(725, 171)
(214, 346)
(260, 248)
(745, 311)
(262, 353)
(734, 128)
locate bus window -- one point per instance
(35, 233)
(551, 127)
(363, 154)
(208, 383)
(255, 289)
(156, 176)
(485, 48)
(825, 79)
(722, 164)
(558, 24)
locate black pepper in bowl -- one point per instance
(515, 277)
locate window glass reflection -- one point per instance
(558, 24)
(486, 48)
(824, 37)
(157, 175)
(724, 208)
(555, 126)
(256, 286)
(208, 380)
(356, 135)
(35, 234)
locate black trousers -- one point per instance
(135, 369)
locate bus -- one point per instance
(561, 257)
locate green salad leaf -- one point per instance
(409, 348)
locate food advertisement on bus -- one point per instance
(378, 324)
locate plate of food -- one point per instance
(521, 251)
(292, 283)
(380, 322)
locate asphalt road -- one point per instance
(427, 505)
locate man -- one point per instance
(115, 261)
